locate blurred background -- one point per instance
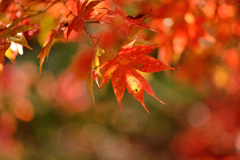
(51, 115)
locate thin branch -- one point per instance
(47, 4)
(42, 11)
(115, 27)
(106, 47)
(97, 21)
(89, 35)
(68, 8)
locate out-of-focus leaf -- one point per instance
(4, 5)
(10, 34)
(137, 21)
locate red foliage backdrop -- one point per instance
(81, 38)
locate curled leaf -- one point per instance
(55, 34)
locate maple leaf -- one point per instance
(120, 69)
(10, 34)
(55, 34)
(4, 45)
(85, 12)
(4, 5)
(137, 20)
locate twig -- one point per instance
(105, 46)
(42, 11)
(115, 27)
(89, 35)
(97, 21)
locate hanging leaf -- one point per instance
(122, 74)
(55, 34)
(94, 68)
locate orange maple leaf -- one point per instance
(85, 12)
(55, 34)
(120, 69)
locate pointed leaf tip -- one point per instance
(145, 108)
(123, 75)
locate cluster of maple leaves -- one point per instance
(121, 68)
(201, 38)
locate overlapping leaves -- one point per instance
(10, 34)
(85, 12)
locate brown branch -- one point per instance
(42, 11)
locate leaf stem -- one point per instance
(89, 35)
(115, 27)
(68, 8)
(106, 47)
(97, 21)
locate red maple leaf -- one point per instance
(85, 12)
(137, 20)
(4, 5)
(55, 34)
(120, 69)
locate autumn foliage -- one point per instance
(134, 81)
(84, 44)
